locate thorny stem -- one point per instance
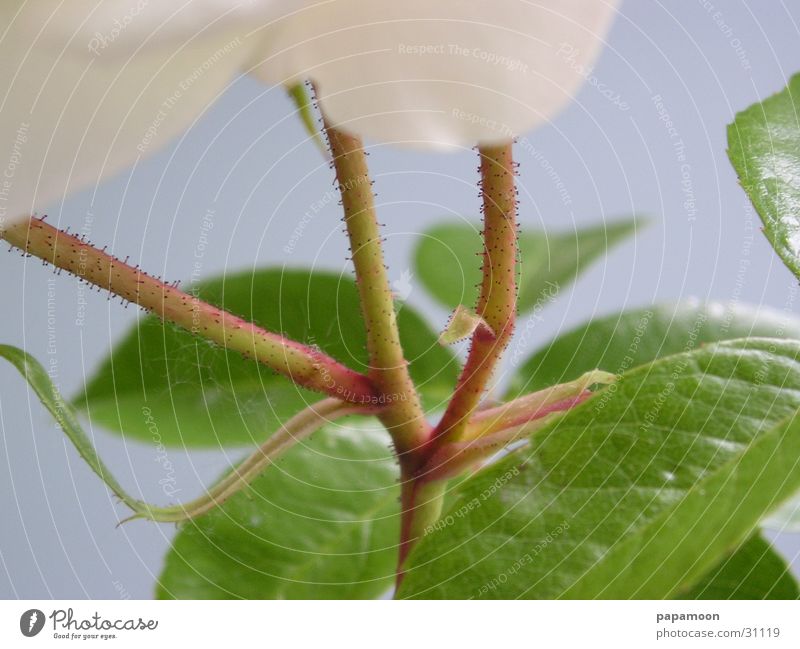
(428, 457)
(463, 438)
(421, 499)
(403, 415)
(305, 366)
(498, 294)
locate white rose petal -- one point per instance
(82, 98)
(88, 87)
(439, 73)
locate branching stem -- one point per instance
(403, 415)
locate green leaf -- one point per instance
(753, 571)
(320, 523)
(628, 339)
(638, 492)
(764, 147)
(448, 263)
(161, 383)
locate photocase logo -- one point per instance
(31, 622)
(68, 626)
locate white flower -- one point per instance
(87, 87)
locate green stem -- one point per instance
(421, 504)
(403, 415)
(498, 295)
(305, 366)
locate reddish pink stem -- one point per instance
(452, 458)
(305, 366)
(498, 296)
(420, 501)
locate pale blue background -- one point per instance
(248, 159)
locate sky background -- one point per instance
(250, 161)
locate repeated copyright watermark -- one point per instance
(184, 86)
(488, 57)
(523, 560)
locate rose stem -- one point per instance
(305, 366)
(498, 294)
(403, 415)
(497, 306)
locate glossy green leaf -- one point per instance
(764, 147)
(752, 571)
(161, 383)
(625, 340)
(320, 523)
(448, 263)
(636, 493)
